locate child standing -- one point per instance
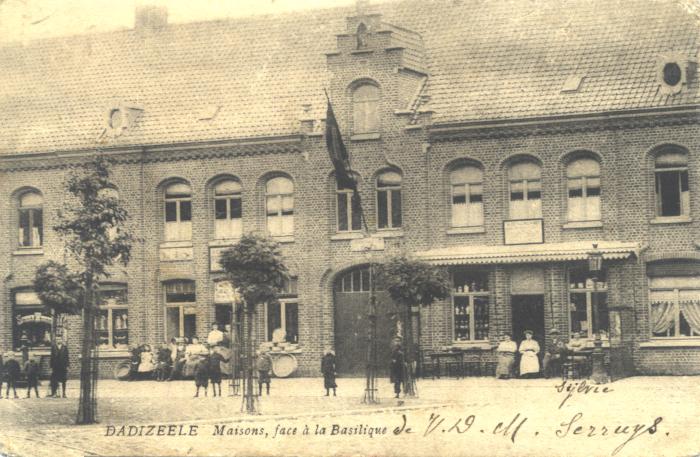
(31, 367)
(2, 374)
(11, 374)
(328, 370)
(215, 359)
(263, 365)
(201, 375)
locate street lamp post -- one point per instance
(595, 265)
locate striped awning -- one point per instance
(527, 253)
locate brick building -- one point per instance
(501, 141)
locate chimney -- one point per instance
(150, 18)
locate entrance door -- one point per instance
(352, 325)
(528, 314)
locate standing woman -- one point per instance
(328, 370)
(529, 362)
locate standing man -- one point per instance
(396, 369)
(59, 367)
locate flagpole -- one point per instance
(343, 174)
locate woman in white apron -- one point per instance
(529, 362)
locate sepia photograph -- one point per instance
(349, 228)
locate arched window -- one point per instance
(279, 206)
(365, 103)
(178, 212)
(348, 211)
(466, 185)
(583, 184)
(525, 191)
(31, 219)
(228, 210)
(671, 175)
(389, 200)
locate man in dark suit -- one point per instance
(59, 367)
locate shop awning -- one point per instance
(527, 253)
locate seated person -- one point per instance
(195, 349)
(147, 363)
(555, 355)
(506, 357)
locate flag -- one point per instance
(338, 153)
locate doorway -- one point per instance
(528, 314)
(351, 299)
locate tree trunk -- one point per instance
(88, 403)
(249, 396)
(409, 381)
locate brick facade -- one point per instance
(423, 154)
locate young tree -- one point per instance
(412, 283)
(59, 290)
(256, 269)
(91, 226)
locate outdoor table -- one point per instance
(456, 355)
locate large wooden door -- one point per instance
(352, 324)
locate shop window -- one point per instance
(467, 197)
(365, 103)
(284, 314)
(348, 211)
(672, 190)
(525, 188)
(31, 219)
(581, 304)
(180, 309)
(279, 205)
(389, 200)
(178, 212)
(675, 307)
(228, 210)
(31, 323)
(470, 303)
(583, 184)
(356, 280)
(112, 321)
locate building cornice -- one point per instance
(564, 124)
(155, 153)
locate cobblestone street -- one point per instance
(532, 421)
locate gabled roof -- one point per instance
(486, 60)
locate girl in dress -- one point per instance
(529, 362)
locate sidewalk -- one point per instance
(43, 427)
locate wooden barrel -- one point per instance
(284, 365)
(123, 370)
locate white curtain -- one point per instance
(662, 316)
(691, 312)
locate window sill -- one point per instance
(347, 236)
(582, 225)
(472, 345)
(671, 220)
(671, 343)
(365, 136)
(112, 353)
(389, 233)
(463, 230)
(29, 251)
(283, 238)
(223, 243)
(175, 244)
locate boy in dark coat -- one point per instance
(12, 370)
(328, 370)
(201, 375)
(31, 368)
(215, 360)
(396, 369)
(2, 374)
(264, 366)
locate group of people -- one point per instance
(11, 370)
(529, 350)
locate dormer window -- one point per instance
(673, 71)
(361, 36)
(365, 102)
